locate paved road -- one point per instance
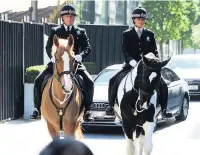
(171, 138)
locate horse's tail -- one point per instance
(78, 131)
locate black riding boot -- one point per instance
(111, 97)
(37, 94)
(37, 101)
(164, 99)
(88, 94)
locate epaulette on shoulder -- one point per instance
(128, 30)
(150, 30)
(57, 27)
(79, 28)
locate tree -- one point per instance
(53, 17)
(193, 10)
(196, 36)
(168, 19)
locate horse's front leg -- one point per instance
(148, 144)
(130, 148)
(51, 130)
(69, 128)
(140, 144)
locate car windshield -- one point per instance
(105, 76)
(184, 63)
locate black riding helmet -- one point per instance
(68, 9)
(139, 12)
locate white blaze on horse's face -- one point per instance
(67, 78)
(152, 76)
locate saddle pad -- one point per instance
(121, 76)
(118, 80)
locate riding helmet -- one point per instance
(139, 12)
(68, 9)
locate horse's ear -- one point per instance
(71, 40)
(144, 59)
(55, 40)
(165, 62)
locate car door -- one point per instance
(174, 89)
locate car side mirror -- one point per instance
(167, 82)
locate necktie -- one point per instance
(139, 33)
(68, 29)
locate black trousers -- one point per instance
(114, 84)
(87, 92)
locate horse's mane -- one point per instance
(64, 43)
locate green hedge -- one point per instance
(33, 71)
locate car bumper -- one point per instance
(106, 121)
(194, 93)
(101, 124)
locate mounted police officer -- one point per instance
(136, 40)
(81, 41)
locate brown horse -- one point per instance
(61, 98)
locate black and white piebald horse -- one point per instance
(137, 98)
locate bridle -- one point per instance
(68, 93)
(59, 75)
(142, 92)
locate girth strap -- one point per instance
(61, 111)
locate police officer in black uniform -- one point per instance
(136, 40)
(81, 41)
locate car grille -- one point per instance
(194, 85)
(193, 82)
(99, 106)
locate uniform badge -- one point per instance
(78, 32)
(148, 39)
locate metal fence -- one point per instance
(11, 70)
(33, 44)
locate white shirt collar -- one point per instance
(70, 27)
(141, 29)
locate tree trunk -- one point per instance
(125, 12)
(161, 50)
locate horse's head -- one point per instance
(149, 74)
(63, 51)
(64, 57)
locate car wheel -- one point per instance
(184, 110)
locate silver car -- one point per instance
(187, 66)
(178, 97)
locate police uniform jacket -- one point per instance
(81, 40)
(133, 46)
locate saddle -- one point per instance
(118, 81)
(120, 77)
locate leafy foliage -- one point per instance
(196, 35)
(171, 20)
